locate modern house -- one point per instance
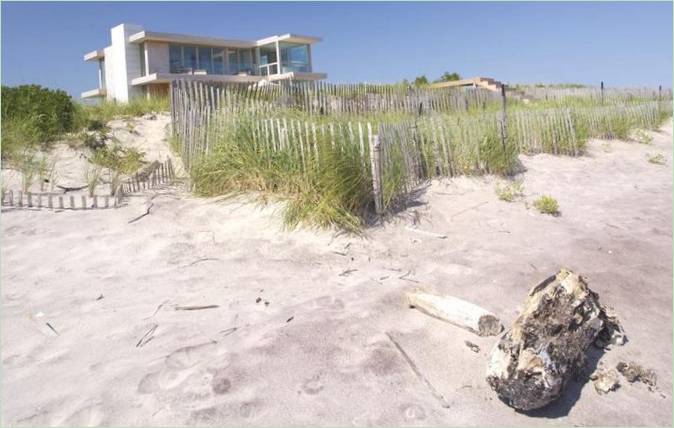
(143, 63)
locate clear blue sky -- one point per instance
(623, 44)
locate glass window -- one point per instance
(294, 57)
(233, 60)
(205, 59)
(175, 58)
(268, 54)
(218, 61)
(190, 58)
(141, 50)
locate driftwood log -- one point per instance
(547, 343)
(458, 312)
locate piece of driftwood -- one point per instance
(546, 345)
(424, 232)
(195, 308)
(458, 312)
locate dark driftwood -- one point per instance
(546, 345)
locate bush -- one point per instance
(547, 205)
(658, 159)
(510, 192)
(48, 113)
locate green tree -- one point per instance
(421, 81)
(449, 77)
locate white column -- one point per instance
(278, 58)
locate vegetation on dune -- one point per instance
(547, 205)
(511, 191)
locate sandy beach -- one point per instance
(303, 322)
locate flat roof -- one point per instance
(144, 36)
(94, 55)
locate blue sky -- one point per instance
(624, 44)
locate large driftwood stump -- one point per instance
(546, 344)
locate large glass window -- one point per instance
(205, 59)
(176, 59)
(190, 58)
(268, 54)
(143, 70)
(218, 61)
(294, 57)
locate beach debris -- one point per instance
(547, 343)
(70, 189)
(290, 319)
(258, 300)
(266, 303)
(228, 331)
(456, 311)
(438, 396)
(473, 347)
(633, 372)
(195, 308)
(206, 259)
(52, 328)
(99, 297)
(613, 333)
(423, 232)
(149, 335)
(406, 275)
(348, 272)
(605, 381)
(147, 212)
(157, 310)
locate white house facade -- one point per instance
(143, 63)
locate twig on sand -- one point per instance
(195, 308)
(147, 212)
(423, 232)
(404, 276)
(52, 329)
(147, 336)
(228, 331)
(207, 259)
(157, 310)
(70, 189)
(468, 209)
(347, 272)
(417, 372)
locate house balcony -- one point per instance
(98, 92)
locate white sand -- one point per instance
(332, 364)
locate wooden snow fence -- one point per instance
(155, 174)
(59, 201)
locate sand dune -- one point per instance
(314, 349)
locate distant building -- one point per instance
(143, 63)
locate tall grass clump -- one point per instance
(324, 184)
(94, 116)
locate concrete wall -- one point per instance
(109, 74)
(157, 57)
(125, 61)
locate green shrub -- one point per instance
(658, 159)
(642, 137)
(49, 112)
(547, 205)
(510, 192)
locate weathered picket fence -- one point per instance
(397, 153)
(60, 201)
(155, 174)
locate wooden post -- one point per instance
(30, 199)
(84, 202)
(602, 92)
(50, 201)
(503, 117)
(11, 198)
(61, 202)
(375, 157)
(72, 202)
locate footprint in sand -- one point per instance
(178, 366)
(413, 412)
(313, 385)
(88, 415)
